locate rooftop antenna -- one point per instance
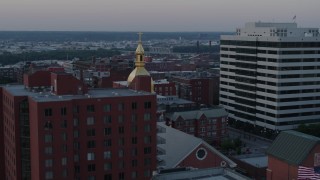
(294, 18)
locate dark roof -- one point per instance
(292, 147)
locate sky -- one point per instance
(152, 15)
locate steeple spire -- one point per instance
(139, 78)
(139, 53)
(140, 35)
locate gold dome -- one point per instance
(138, 71)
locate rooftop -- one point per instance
(178, 145)
(47, 96)
(292, 146)
(201, 174)
(196, 114)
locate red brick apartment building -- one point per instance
(56, 128)
(202, 90)
(207, 124)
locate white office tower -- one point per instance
(270, 75)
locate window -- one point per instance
(75, 122)
(121, 176)
(134, 163)
(91, 144)
(48, 163)
(76, 109)
(134, 118)
(107, 154)
(77, 169)
(64, 124)
(90, 156)
(107, 166)
(121, 142)
(64, 136)
(147, 161)
(147, 105)
(134, 152)
(121, 164)
(107, 143)
(147, 139)
(75, 133)
(134, 175)
(49, 175)
(120, 118)
(107, 119)
(90, 108)
(63, 161)
(107, 108)
(48, 112)
(121, 106)
(147, 116)
(91, 167)
(147, 150)
(147, 128)
(134, 105)
(64, 173)
(121, 130)
(91, 177)
(91, 132)
(63, 111)
(107, 131)
(134, 140)
(121, 153)
(90, 120)
(147, 173)
(108, 177)
(64, 148)
(76, 145)
(134, 128)
(48, 150)
(48, 138)
(76, 158)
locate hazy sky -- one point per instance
(152, 15)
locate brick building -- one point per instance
(198, 88)
(165, 88)
(2, 167)
(177, 149)
(74, 134)
(208, 124)
(57, 128)
(292, 151)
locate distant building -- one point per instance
(164, 88)
(200, 88)
(270, 75)
(207, 124)
(294, 155)
(177, 149)
(8, 73)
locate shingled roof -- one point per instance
(196, 114)
(292, 147)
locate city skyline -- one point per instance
(143, 15)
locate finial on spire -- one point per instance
(140, 35)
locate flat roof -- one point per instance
(47, 96)
(261, 161)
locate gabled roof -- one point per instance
(292, 147)
(178, 145)
(209, 113)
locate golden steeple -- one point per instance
(139, 63)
